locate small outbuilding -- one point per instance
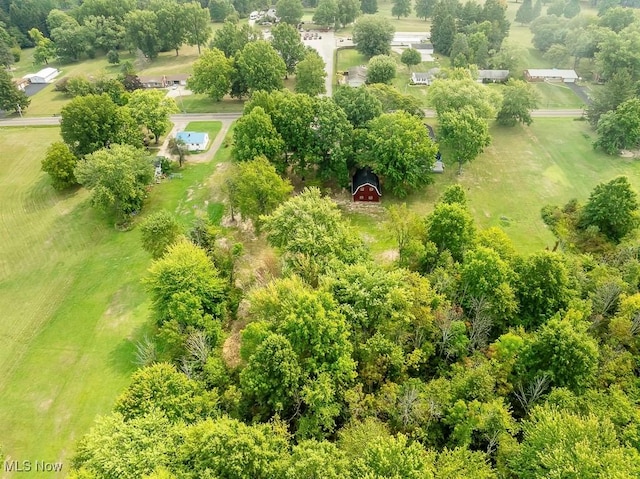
(551, 75)
(46, 75)
(365, 186)
(194, 140)
(493, 76)
(424, 78)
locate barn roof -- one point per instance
(364, 176)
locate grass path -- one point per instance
(71, 300)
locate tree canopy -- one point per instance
(372, 35)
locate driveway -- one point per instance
(325, 47)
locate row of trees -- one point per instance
(465, 360)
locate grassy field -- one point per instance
(525, 168)
(71, 299)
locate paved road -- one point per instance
(227, 117)
(326, 47)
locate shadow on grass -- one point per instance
(42, 195)
(123, 358)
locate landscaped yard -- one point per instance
(71, 299)
(524, 169)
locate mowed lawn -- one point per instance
(525, 168)
(71, 298)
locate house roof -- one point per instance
(150, 79)
(552, 73)
(362, 177)
(192, 137)
(493, 74)
(45, 72)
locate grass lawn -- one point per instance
(71, 299)
(203, 104)
(211, 127)
(408, 24)
(556, 95)
(525, 168)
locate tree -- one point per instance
(260, 66)
(548, 30)
(117, 177)
(620, 129)
(381, 69)
(359, 104)
(392, 100)
(619, 89)
(400, 150)
(151, 109)
(70, 38)
(142, 32)
(518, 99)
(258, 189)
(450, 227)
(411, 57)
(460, 53)
(372, 35)
(254, 136)
(524, 15)
(160, 387)
(443, 28)
(311, 74)
(220, 10)
(232, 38)
(185, 286)
(453, 94)
(557, 55)
(197, 20)
(172, 25)
(11, 98)
(537, 9)
(559, 443)
(571, 8)
(424, 8)
(92, 122)
(401, 8)
(45, 49)
(179, 148)
(369, 7)
(617, 19)
(211, 74)
(286, 40)
(613, 208)
(289, 11)
(59, 164)
(348, 11)
(465, 133)
(326, 14)
(159, 231)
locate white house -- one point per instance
(424, 78)
(195, 140)
(46, 75)
(551, 75)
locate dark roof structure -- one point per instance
(432, 133)
(364, 176)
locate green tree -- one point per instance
(232, 38)
(450, 227)
(197, 20)
(69, 37)
(618, 89)
(558, 443)
(159, 231)
(289, 11)
(220, 10)
(401, 8)
(11, 98)
(537, 9)
(348, 11)
(179, 148)
(162, 388)
(381, 69)
(211, 74)
(359, 104)
(424, 8)
(557, 55)
(286, 40)
(152, 109)
(619, 129)
(443, 28)
(617, 19)
(465, 133)
(185, 286)
(613, 208)
(45, 49)
(459, 91)
(311, 74)
(454, 194)
(313, 459)
(411, 57)
(369, 7)
(571, 8)
(260, 66)
(518, 99)
(255, 135)
(326, 14)
(401, 151)
(259, 190)
(172, 25)
(372, 35)
(94, 121)
(461, 463)
(59, 163)
(543, 287)
(524, 15)
(118, 177)
(548, 30)
(392, 100)
(460, 52)
(142, 32)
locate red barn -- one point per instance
(365, 186)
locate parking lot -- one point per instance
(325, 44)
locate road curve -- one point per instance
(182, 117)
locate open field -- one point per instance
(525, 168)
(71, 299)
